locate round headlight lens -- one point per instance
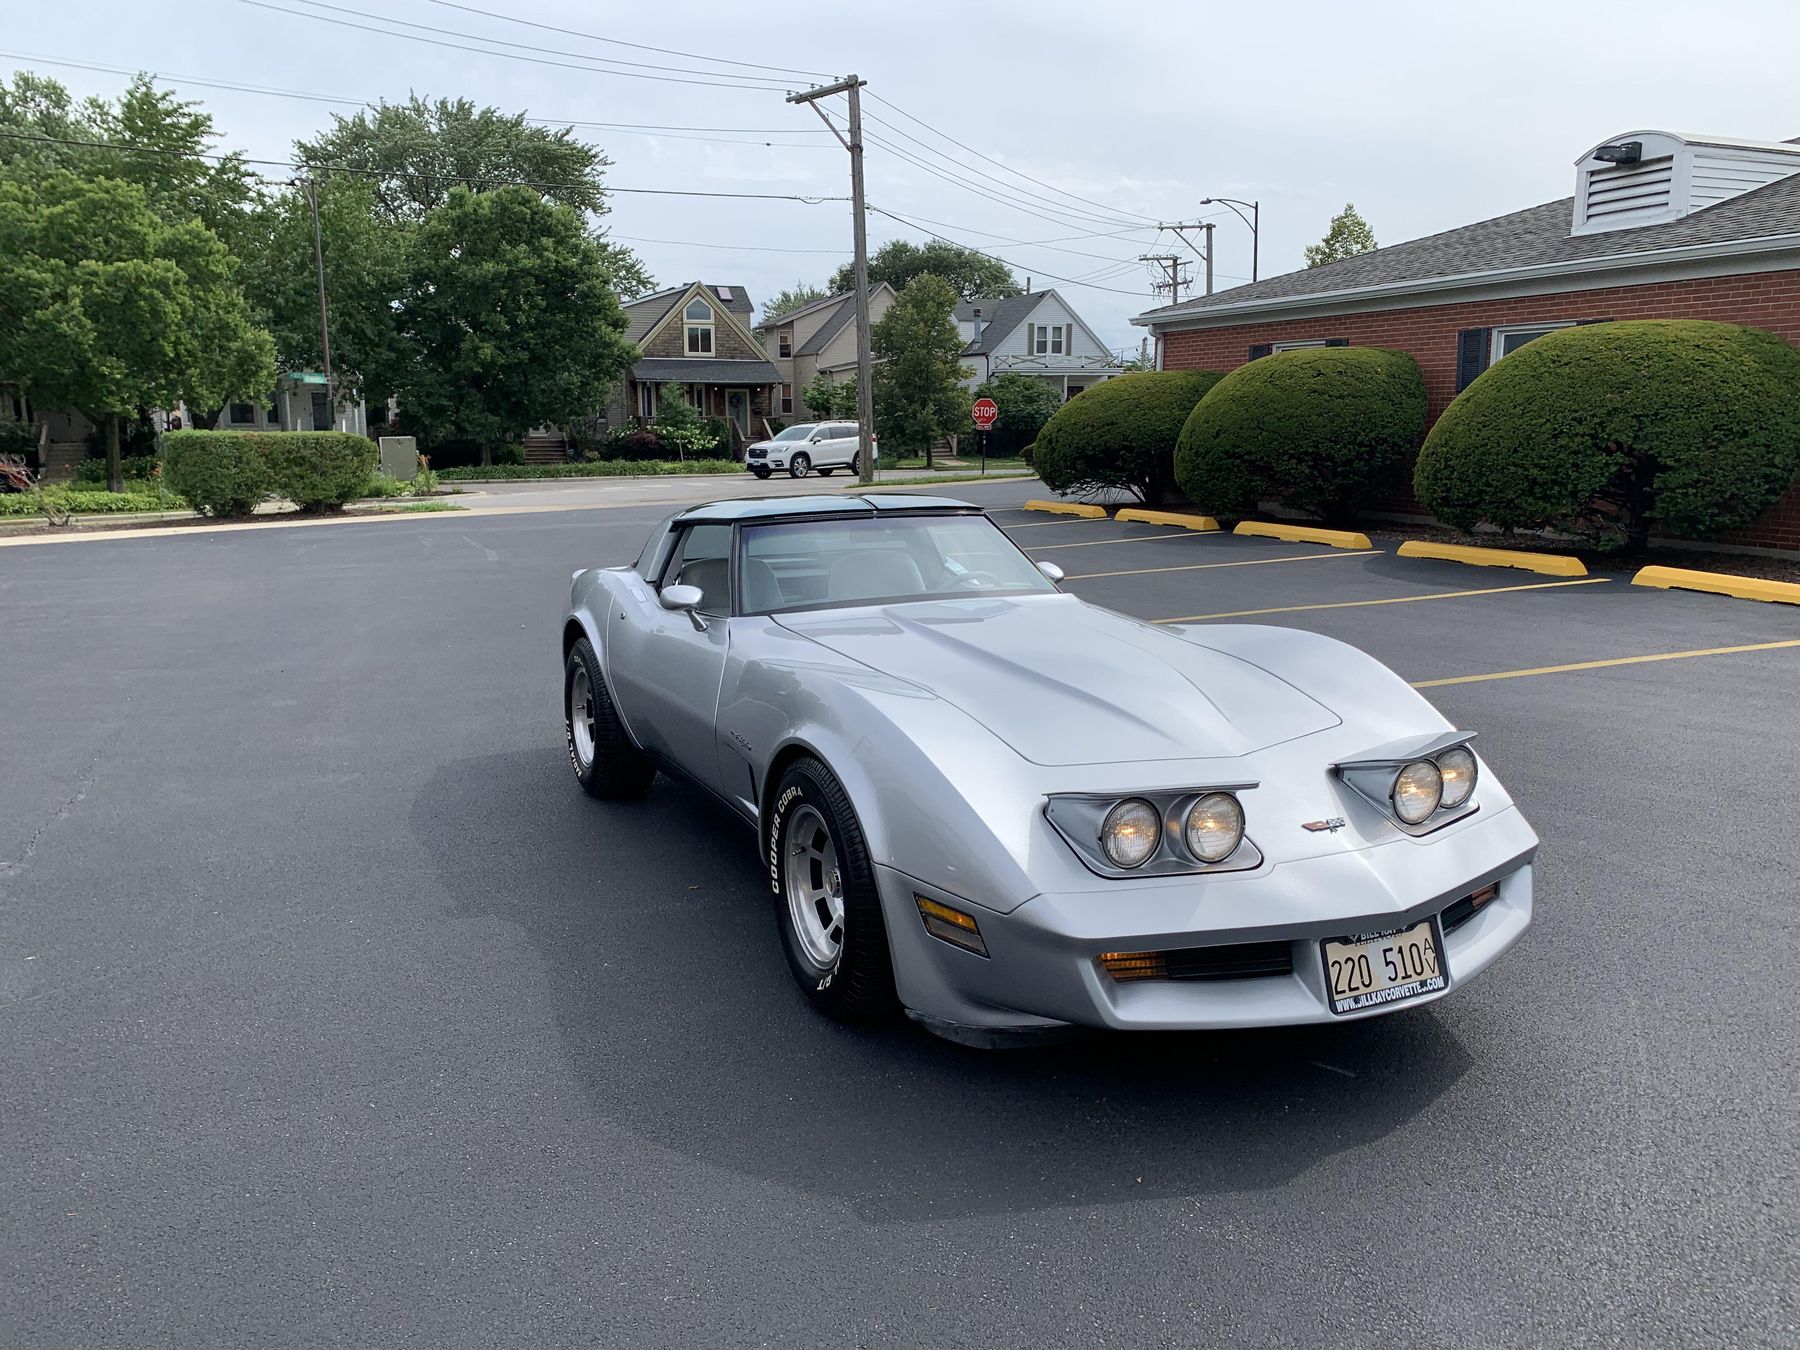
(1215, 827)
(1418, 791)
(1458, 770)
(1131, 832)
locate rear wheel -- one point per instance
(800, 465)
(826, 904)
(606, 763)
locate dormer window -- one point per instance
(1651, 177)
(699, 318)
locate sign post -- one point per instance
(984, 412)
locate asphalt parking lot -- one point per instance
(331, 1012)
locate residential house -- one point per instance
(814, 339)
(1037, 334)
(697, 338)
(1661, 225)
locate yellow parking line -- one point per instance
(1199, 567)
(1596, 665)
(1389, 600)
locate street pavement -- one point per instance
(332, 1013)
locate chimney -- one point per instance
(977, 334)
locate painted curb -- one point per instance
(1186, 522)
(1086, 510)
(1303, 534)
(1550, 564)
(1719, 583)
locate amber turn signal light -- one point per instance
(951, 925)
(1135, 965)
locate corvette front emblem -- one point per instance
(1332, 826)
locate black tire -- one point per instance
(800, 465)
(616, 770)
(760, 473)
(858, 985)
(826, 473)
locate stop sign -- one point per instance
(985, 412)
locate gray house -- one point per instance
(1037, 334)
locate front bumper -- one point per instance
(1042, 965)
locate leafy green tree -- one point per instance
(797, 296)
(679, 424)
(826, 397)
(1025, 404)
(365, 264)
(506, 319)
(108, 307)
(919, 390)
(1348, 236)
(971, 275)
(167, 139)
(417, 153)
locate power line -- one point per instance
(452, 178)
(735, 248)
(590, 69)
(997, 163)
(1043, 243)
(996, 257)
(620, 42)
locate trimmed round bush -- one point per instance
(1120, 433)
(319, 470)
(1328, 430)
(1609, 429)
(221, 473)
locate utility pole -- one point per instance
(865, 389)
(312, 197)
(1208, 227)
(1171, 265)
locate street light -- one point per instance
(1253, 220)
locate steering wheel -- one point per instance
(970, 581)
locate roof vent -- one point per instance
(1649, 177)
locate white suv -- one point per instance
(800, 449)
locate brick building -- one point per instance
(1661, 226)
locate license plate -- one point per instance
(1373, 970)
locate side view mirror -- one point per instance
(685, 599)
(1051, 570)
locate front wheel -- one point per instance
(606, 763)
(826, 473)
(826, 904)
(760, 473)
(800, 465)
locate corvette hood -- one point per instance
(1063, 682)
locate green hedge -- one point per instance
(600, 468)
(1609, 429)
(226, 473)
(1328, 430)
(1120, 433)
(91, 501)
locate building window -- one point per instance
(1296, 346)
(1049, 339)
(787, 398)
(696, 397)
(699, 317)
(241, 415)
(785, 341)
(1508, 340)
(646, 400)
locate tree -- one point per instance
(1348, 236)
(365, 263)
(1025, 404)
(972, 275)
(919, 390)
(797, 296)
(107, 307)
(507, 319)
(826, 397)
(417, 153)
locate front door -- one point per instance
(737, 408)
(322, 420)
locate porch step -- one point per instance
(544, 452)
(62, 458)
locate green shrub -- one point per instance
(508, 453)
(1328, 430)
(1121, 433)
(319, 470)
(221, 473)
(1026, 404)
(134, 468)
(1609, 429)
(91, 501)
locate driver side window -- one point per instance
(702, 557)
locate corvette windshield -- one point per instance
(816, 564)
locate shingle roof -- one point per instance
(998, 318)
(1536, 237)
(829, 329)
(792, 314)
(704, 370)
(645, 312)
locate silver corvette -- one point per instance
(1008, 811)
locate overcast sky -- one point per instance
(1427, 116)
